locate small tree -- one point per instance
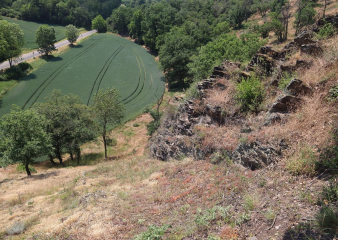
(24, 137)
(45, 39)
(108, 109)
(70, 123)
(99, 24)
(72, 33)
(11, 41)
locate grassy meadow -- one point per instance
(29, 29)
(102, 61)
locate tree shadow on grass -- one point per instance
(77, 46)
(31, 76)
(305, 231)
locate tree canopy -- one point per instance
(108, 109)
(70, 123)
(45, 39)
(11, 41)
(24, 137)
(72, 33)
(99, 24)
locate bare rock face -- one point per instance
(333, 19)
(304, 37)
(283, 103)
(266, 58)
(255, 155)
(296, 87)
(311, 49)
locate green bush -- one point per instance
(154, 233)
(329, 155)
(250, 93)
(329, 194)
(327, 31)
(14, 73)
(327, 219)
(333, 93)
(24, 66)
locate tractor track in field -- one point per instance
(58, 71)
(98, 87)
(104, 66)
(144, 79)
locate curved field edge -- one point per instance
(102, 61)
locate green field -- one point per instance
(29, 29)
(102, 61)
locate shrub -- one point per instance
(329, 193)
(25, 66)
(327, 219)
(14, 73)
(136, 125)
(154, 233)
(333, 93)
(329, 155)
(250, 93)
(328, 30)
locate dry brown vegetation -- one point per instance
(119, 197)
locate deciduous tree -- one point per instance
(175, 55)
(108, 109)
(11, 41)
(99, 24)
(24, 137)
(72, 33)
(70, 123)
(45, 39)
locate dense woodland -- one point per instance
(190, 36)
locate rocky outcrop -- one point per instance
(311, 49)
(304, 37)
(333, 19)
(255, 155)
(284, 103)
(267, 59)
(297, 87)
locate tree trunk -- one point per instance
(51, 159)
(58, 155)
(71, 155)
(27, 170)
(10, 60)
(325, 4)
(78, 156)
(104, 133)
(105, 145)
